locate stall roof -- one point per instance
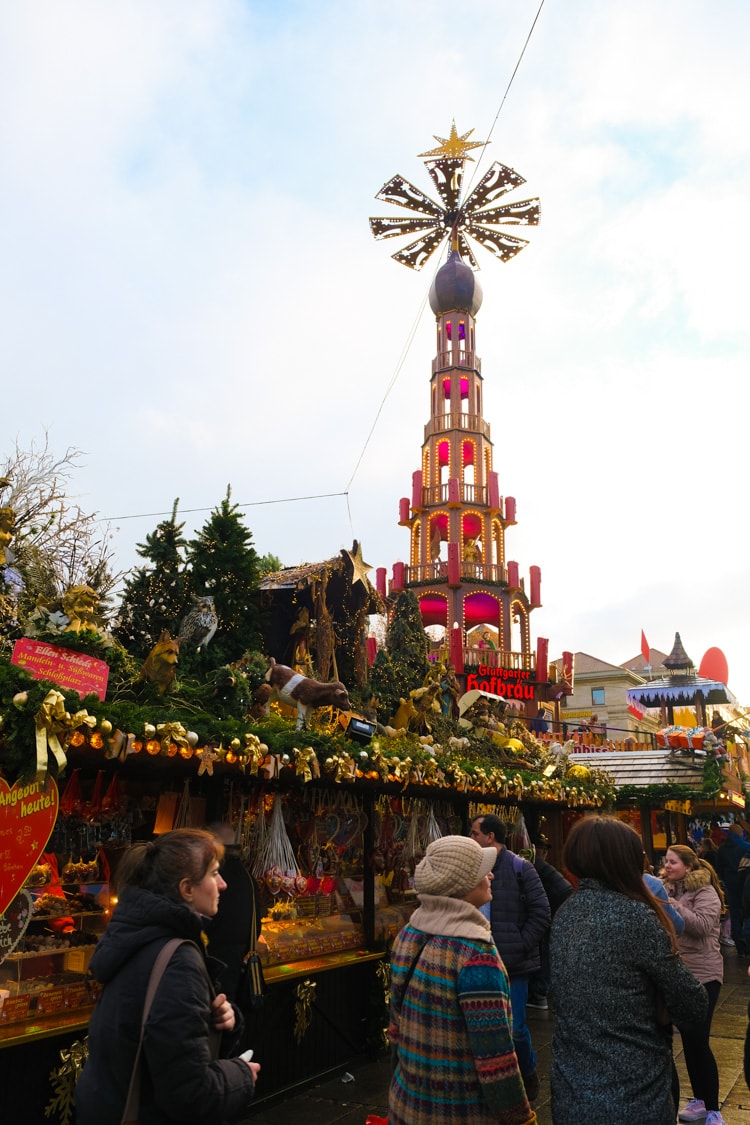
(645, 767)
(680, 689)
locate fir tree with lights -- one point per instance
(157, 595)
(224, 565)
(404, 664)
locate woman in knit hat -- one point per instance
(450, 1001)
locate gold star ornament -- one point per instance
(454, 147)
(360, 568)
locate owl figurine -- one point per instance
(199, 624)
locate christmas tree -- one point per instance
(404, 664)
(156, 596)
(225, 566)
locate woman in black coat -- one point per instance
(166, 889)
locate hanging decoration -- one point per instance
(304, 995)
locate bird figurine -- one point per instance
(200, 623)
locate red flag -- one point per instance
(645, 650)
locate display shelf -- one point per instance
(15, 1034)
(48, 952)
(327, 963)
(102, 913)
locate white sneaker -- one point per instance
(695, 1110)
(713, 1117)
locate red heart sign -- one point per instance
(27, 816)
(14, 922)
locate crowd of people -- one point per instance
(627, 957)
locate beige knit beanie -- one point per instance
(453, 866)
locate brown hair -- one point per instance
(693, 862)
(607, 849)
(161, 864)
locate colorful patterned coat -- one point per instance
(450, 1025)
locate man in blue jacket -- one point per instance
(519, 918)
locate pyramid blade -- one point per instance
(447, 176)
(389, 228)
(504, 246)
(494, 183)
(400, 191)
(525, 213)
(416, 254)
(466, 252)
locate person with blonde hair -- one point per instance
(614, 969)
(450, 1015)
(695, 892)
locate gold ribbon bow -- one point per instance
(304, 996)
(255, 749)
(306, 764)
(73, 1058)
(51, 721)
(171, 732)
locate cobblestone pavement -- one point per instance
(349, 1097)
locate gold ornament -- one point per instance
(304, 995)
(207, 758)
(306, 764)
(169, 733)
(455, 147)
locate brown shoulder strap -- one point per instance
(163, 957)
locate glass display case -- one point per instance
(46, 973)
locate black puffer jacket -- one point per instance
(519, 913)
(181, 1083)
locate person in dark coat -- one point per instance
(616, 980)
(557, 889)
(519, 918)
(234, 929)
(167, 888)
(733, 872)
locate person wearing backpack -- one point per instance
(519, 919)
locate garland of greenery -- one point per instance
(212, 714)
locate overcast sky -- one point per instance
(190, 292)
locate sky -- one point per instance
(190, 293)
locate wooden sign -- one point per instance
(51, 1000)
(63, 666)
(14, 1008)
(28, 812)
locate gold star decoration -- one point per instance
(359, 567)
(454, 146)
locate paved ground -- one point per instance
(347, 1099)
